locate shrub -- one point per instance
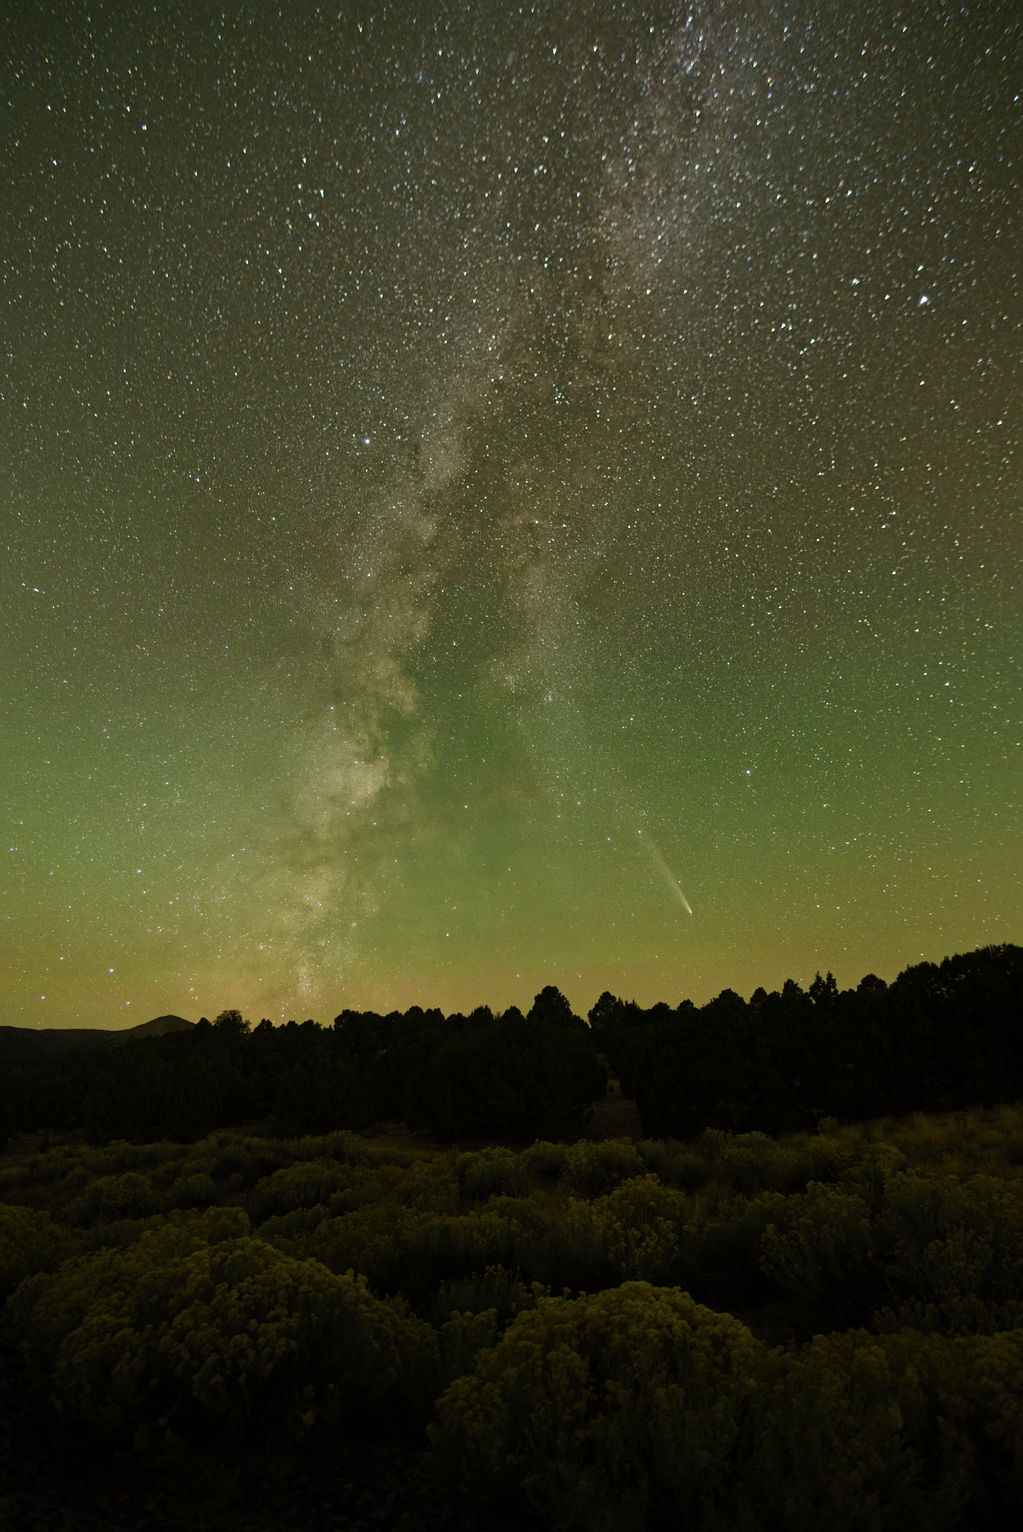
(235, 1161)
(412, 1251)
(263, 1341)
(461, 1339)
(296, 1186)
(674, 1163)
(751, 1162)
(345, 1147)
(856, 1434)
(642, 1222)
(29, 1242)
(953, 1253)
(544, 1160)
(564, 1245)
(820, 1247)
(592, 1169)
(12, 1179)
(233, 1338)
(723, 1244)
(130, 1195)
(367, 1185)
(871, 1169)
(296, 1233)
(491, 1173)
(894, 1433)
(197, 1190)
(986, 1411)
(611, 1412)
(819, 1157)
(496, 1289)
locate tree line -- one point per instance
(941, 1036)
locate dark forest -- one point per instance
(943, 1035)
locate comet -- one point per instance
(665, 871)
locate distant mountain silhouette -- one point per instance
(155, 1028)
(49, 1042)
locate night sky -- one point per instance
(497, 495)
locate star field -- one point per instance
(497, 495)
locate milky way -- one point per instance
(475, 471)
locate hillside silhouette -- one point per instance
(45, 1042)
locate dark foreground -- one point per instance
(733, 1333)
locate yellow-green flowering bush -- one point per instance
(366, 1184)
(256, 1336)
(296, 1233)
(954, 1253)
(347, 1147)
(471, 1313)
(46, 1308)
(566, 1246)
(235, 1161)
(723, 1244)
(894, 1433)
(30, 1242)
(870, 1170)
(834, 1450)
(492, 1172)
(412, 1249)
(986, 1409)
(232, 1337)
(820, 1247)
(822, 1156)
(674, 1163)
(530, 1215)
(610, 1411)
(461, 1338)
(13, 1178)
(545, 1160)
(495, 1288)
(591, 1169)
(751, 1162)
(130, 1195)
(296, 1186)
(643, 1223)
(197, 1190)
